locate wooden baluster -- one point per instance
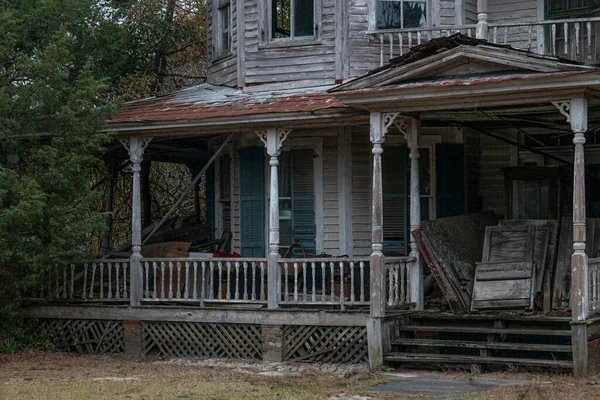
(101, 280)
(162, 279)
(125, 292)
(146, 280)
(589, 41)
(529, 38)
(566, 33)
(253, 266)
(398, 282)
(403, 282)
(362, 281)
(195, 282)
(506, 35)
(391, 38)
(577, 31)
(304, 270)
(342, 294)
(228, 293)
(314, 281)
(381, 50)
(171, 273)
(418, 38)
(178, 295)
(352, 294)
(220, 266)
(155, 273)
(332, 288)
(286, 288)
(186, 294)
(237, 280)
(118, 280)
(323, 268)
(85, 276)
(470, 32)
(554, 49)
(296, 282)
(91, 296)
(110, 294)
(409, 43)
(390, 284)
(400, 43)
(246, 280)
(262, 281)
(211, 280)
(495, 35)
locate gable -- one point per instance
(458, 59)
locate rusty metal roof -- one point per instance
(210, 101)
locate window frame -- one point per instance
(571, 13)
(433, 18)
(266, 20)
(218, 50)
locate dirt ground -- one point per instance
(68, 377)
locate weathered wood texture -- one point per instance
(222, 69)
(451, 247)
(84, 336)
(495, 155)
(188, 339)
(331, 210)
(361, 192)
(562, 275)
(325, 344)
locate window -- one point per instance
(573, 7)
(223, 36)
(297, 201)
(400, 14)
(292, 19)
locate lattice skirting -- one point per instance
(85, 336)
(193, 339)
(325, 344)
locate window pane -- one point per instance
(565, 5)
(304, 16)
(389, 14)
(281, 13)
(415, 14)
(225, 37)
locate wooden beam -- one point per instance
(189, 188)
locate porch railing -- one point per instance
(397, 280)
(594, 285)
(212, 280)
(325, 281)
(568, 38)
(101, 280)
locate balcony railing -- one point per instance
(594, 285)
(567, 38)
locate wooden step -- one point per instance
(484, 345)
(466, 329)
(460, 359)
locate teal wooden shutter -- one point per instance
(210, 197)
(394, 199)
(252, 201)
(450, 170)
(303, 200)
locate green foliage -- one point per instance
(17, 335)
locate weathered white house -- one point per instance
(341, 125)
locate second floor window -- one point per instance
(400, 14)
(224, 27)
(292, 19)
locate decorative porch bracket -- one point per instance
(135, 147)
(273, 139)
(576, 112)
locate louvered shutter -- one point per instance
(252, 201)
(394, 174)
(450, 170)
(303, 200)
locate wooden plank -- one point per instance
(503, 271)
(467, 329)
(458, 359)
(483, 345)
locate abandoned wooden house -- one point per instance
(404, 181)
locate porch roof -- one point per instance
(470, 72)
(212, 105)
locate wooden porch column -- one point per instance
(481, 31)
(136, 146)
(273, 140)
(416, 270)
(579, 260)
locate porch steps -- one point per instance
(460, 359)
(432, 340)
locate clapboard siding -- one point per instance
(494, 156)
(223, 70)
(470, 7)
(361, 191)
(331, 220)
(271, 63)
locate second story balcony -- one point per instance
(571, 34)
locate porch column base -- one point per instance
(272, 343)
(132, 335)
(580, 348)
(375, 343)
